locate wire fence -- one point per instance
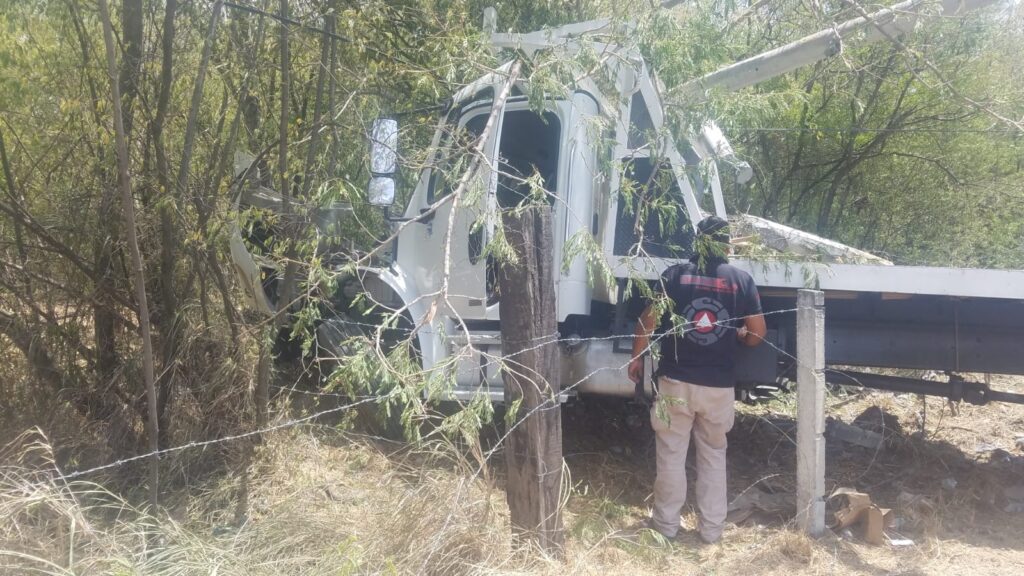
(205, 443)
(356, 400)
(552, 402)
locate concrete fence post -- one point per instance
(810, 380)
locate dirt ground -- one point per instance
(950, 473)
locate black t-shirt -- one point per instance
(712, 306)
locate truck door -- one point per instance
(458, 236)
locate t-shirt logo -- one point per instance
(705, 321)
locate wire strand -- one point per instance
(379, 398)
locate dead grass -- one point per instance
(329, 502)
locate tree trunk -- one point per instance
(168, 223)
(314, 140)
(104, 315)
(131, 66)
(284, 295)
(128, 206)
(16, 198)
(533, 451)
(170, 317)
(331, 23)
(290, 270)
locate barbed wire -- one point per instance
(205, 443)
(550, 403)
(678, 330)
(379, 398)
(555, 400)
(831, 130)
(572, 339)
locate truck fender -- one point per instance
(399, 282)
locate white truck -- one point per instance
(877, 315)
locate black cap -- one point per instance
(715, 227)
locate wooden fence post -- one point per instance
(533, 449)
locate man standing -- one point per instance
(717, 307)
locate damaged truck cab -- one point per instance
(582, 148)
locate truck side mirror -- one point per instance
(383, 161)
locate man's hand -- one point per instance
(644, 328)
(753, 330)
(636, 369)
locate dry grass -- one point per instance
(321, 503)
(329, 502)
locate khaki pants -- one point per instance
(709, 412)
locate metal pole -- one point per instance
(810, 436)
(893, 21)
